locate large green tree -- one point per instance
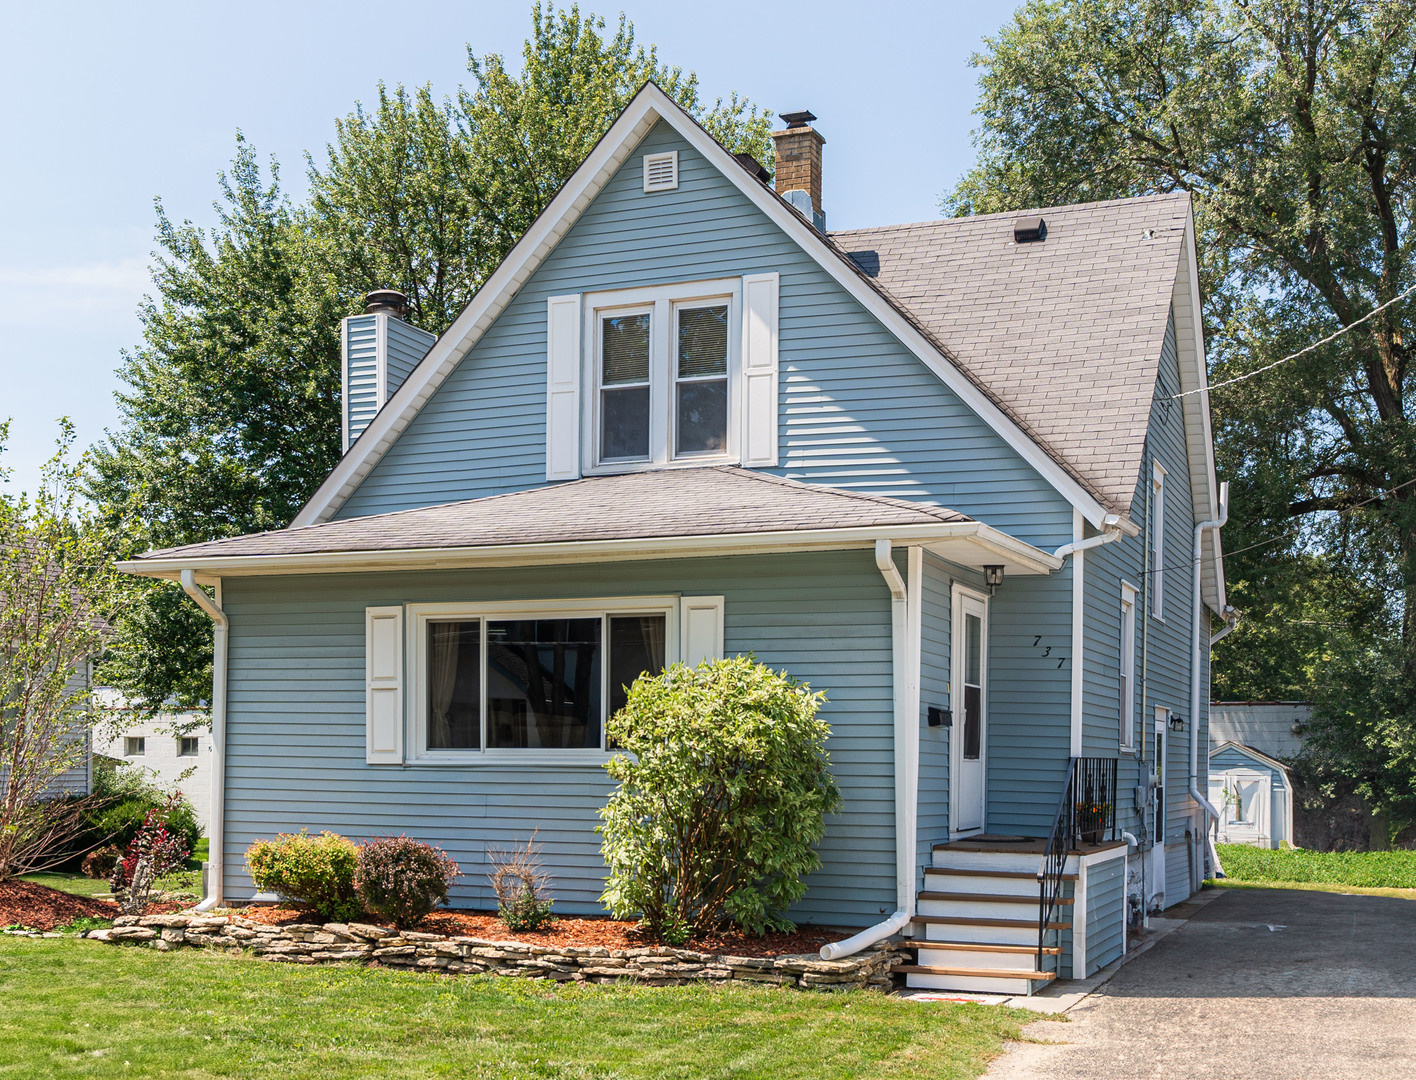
(230, 415)
(1293, 125)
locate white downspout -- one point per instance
(906, 760)
(1196, 660)
(216, 827)
(1110, 532)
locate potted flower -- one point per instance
(1092, 818)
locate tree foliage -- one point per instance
(723, 792)
(230, 415)
(1293, 125)
(57, 586)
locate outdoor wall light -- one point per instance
(1177, 722)
(993, 577)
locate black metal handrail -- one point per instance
(1086, 811)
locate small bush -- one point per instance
(99, 864)
(155, 852)
(721, 806)
(317, 871)
(521, 885)
(403, 880)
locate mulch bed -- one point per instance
(38, 907)
(580, 933)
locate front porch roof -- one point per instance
(663, 513)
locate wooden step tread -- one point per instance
(991, 898)
(990, 873)
(977, 973)
(979, 946)
(1009, 924)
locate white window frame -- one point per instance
(663, 303)
(1128, 668)
(196, 742)
(419, 615)
(1157, 540)
(135, 746)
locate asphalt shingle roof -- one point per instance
(1065, 333)
(672, 502)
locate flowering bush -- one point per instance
(317, 871)
(402, 879)
(719, 810)
(155, 852)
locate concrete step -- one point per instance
(973, 980)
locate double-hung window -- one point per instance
(664, 366)
(540, 680)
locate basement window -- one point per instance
(187, 746)
(661, 171)
(134, 746)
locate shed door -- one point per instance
(970, 697)
(1244, 815)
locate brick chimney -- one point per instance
(798, 173)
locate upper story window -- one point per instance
(1157, 540)
(664, 368)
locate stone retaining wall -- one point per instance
(310, 943)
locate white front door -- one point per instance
(969, 681)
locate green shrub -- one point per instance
(721, 806)
(402, 879)
(316, 871)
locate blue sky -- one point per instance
(110, 106)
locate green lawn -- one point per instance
(83, 1009)
(1360, 869)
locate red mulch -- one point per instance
(582, 933)
(38, 907)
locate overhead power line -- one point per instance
(1301, 352)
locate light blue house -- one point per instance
(951, 473)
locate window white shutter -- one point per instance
(759, 369)
(383, 685)
(563, 388)
(700, 629)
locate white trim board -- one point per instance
(650, 106)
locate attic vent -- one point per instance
(661, 171)
(1029, 230)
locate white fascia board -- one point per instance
(649, 106)
(1199, 433)
(1248, 751)
(1020, 557)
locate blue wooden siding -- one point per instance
(295, 754)
(1106, 914)
(1163, 650)
(857, 410)
(936, 612)
(406, 346)
(362, 371)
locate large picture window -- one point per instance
(531, 681)
(664, 363)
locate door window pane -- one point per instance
(973, 687)
(973, 721)
(454, 685)
(973, 649)
(624, 376)
(701, 397)
(543, 683)
(636, 647)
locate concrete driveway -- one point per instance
(1262, 983)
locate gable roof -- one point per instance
(1083, 468)
(1065, 331)
(630, 511)
(1257, 756)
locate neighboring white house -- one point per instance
(1248, 780)
(174, 762)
